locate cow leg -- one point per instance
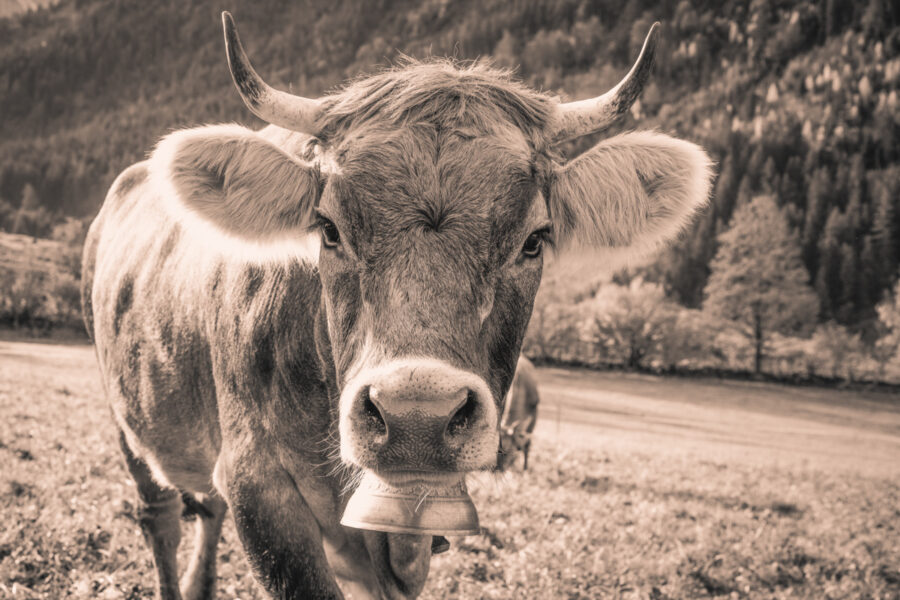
(525, 450)
(199, 581)
(277, 528)
(159, 513)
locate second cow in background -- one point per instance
(519, 417)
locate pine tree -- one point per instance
(744, 193)
(769, 177)
(818, 198)
(857, 197)
(726, 188)
(871, 273)
(850, 283)
(835, 16)
(30, 218)
(873, 19)
(30, 198)
(757, 277)
(885, 232)
(828, 276)
(793, 185)
(505, 52)
(7, 214)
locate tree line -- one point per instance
(759, 315)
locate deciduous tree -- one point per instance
(757, 277)
(887, 348)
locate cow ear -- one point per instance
(630, 193)
(238, 181)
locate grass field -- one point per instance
(641, 487)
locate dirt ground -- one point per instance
(641, 487)
(756, 423)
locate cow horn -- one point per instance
(574, 119)
(273, 106)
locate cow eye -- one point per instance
(534, 244)
(330, 235)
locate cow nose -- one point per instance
(415, 416)
(464, 413)
(458, 408)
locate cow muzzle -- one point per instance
(416, 426)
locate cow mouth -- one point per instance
(401, 562)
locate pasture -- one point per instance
(642, 487)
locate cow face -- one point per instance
(513, 440)
(432, 248)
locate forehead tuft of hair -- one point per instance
(444, 92)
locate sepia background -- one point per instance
(721, 420)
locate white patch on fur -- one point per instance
(295, 143)
(629, 195)
(303, 246)
(140, 451)
(370, 353)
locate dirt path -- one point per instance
(755, 422)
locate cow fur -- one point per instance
(473, 98)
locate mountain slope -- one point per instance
(10, 8)
(793, 98)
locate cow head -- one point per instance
(513, 440)
(435, 192)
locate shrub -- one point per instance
(630, 322)
(838, 349)
(23, 301)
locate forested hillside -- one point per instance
(9, 8)
(795, 99)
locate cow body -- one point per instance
(196, 346)
(519, 416)
(343, 294)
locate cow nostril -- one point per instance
(463, 417)
(374, 419)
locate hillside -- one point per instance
(793, 98)
(9, 8)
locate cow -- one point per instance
(519, 416)
(344, 292)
